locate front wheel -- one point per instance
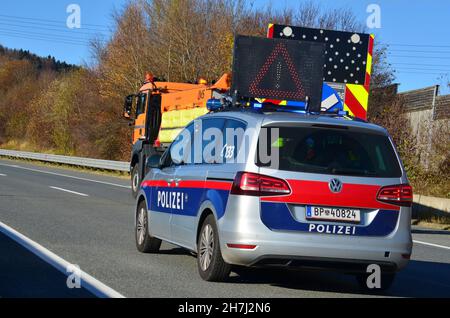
(144, 242)
(211, 265)
(135, 180)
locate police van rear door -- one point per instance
(335, 173)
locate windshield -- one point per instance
(333, 151)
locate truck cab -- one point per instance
(157, 113)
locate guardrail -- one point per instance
(74, 161)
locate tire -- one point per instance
(135, 181)
(386, 282)
(210, 263)
(144, 242)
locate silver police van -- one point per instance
(256, 189)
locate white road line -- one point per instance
(2, 175)
(431, 244)
(70, 191)
(67, 176)
(87, 281)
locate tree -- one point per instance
(123, 61)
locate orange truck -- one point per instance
(159, 111)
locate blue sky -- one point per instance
(417, 31)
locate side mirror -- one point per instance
(153, 162)
(128, 106)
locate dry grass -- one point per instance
(430, 219)
(431, 225)
(23, 146)
(430, 184)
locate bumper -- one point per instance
(241, 224)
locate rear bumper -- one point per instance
(335, 255)
(242, 224)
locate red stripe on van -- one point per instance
(216, 185)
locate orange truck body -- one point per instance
(162, 109)
(176, 98)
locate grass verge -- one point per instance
(431, 225)
(432, 220)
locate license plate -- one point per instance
(333, 214)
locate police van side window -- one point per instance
(212, 132)
(180, 151)
(234, 132)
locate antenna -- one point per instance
(235, 98)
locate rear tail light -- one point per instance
(247, 183)
(401, 194)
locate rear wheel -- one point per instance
(144, 242)
(211, 265)
(135, 180)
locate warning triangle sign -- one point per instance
(278, 69)
(278, 77)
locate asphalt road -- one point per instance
(23, 274)
(92, 226)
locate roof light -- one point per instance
(214, 104)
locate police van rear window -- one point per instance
(328, 151)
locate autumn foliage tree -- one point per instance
(181, 40)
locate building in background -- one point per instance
(429, 117)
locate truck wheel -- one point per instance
(211, 265)
(144, 242)
(135, 181)
(385, 283)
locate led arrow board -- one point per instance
(278, 69)
(346, 54)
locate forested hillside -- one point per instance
(40, 63)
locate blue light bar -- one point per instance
(214, 104)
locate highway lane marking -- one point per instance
(70, 191)
(67, 176)
(431, 244)
(88, 282)
(2, 175)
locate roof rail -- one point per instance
(225, 104)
